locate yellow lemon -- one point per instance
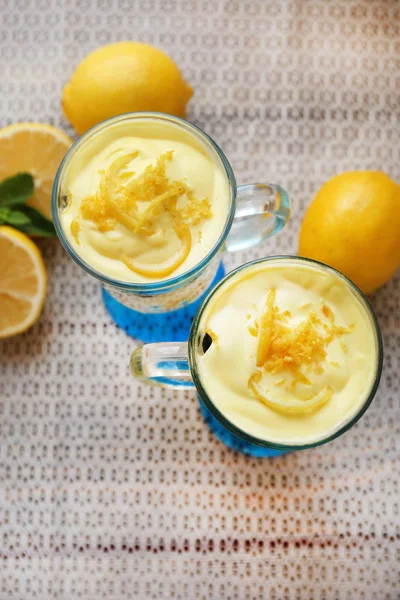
(120, 78)
(353, 225)
(23, 282)
(35, 148)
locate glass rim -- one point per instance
(234, 429)
(165, 284)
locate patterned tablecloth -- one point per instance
(114, 490)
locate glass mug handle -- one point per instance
(262, 210)
(165, 364)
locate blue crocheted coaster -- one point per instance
(231, 440)
(173, 326)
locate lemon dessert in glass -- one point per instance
(145, 205)
(289, 353)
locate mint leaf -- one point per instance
(38, 224)
(17, 218)
(16, 190)
(4, 212)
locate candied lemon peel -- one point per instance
(138, 202)
(282, 349)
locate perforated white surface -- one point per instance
(113, 490)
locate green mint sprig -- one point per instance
(14, 193)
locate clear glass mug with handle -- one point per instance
(163, 310)
(175, 365)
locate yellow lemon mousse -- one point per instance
(292, 351)
(144, 201)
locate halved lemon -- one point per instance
(23, 282)
(34, 148)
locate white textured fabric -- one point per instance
(113, 490)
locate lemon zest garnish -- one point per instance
(157, 202)
(183, 233)
(253, 329)
(255, 378)
(127, 175)
(281, 347)
(337, 331)
(152, 182)
(126, 219)
(95, 208)
(117, 200)
(299, 378)
(344, 347)
(281, 382)
(195, 210)
(265, 327)
(290, 406)
(334, 363)
(113, 175)
(75, 229)
(327, 312)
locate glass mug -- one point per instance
(173, 365)
(163, 310)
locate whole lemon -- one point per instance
(120, 78)
(353, 225)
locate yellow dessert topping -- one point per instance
(327, 312)
(138, 202)
(75, 229)
(266, 329)
(282, 348)
(195, 211)
(253, 329)
(97, 209)
(253, 326)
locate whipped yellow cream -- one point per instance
(145, 201)
(293, 354)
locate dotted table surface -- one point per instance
(112, 490)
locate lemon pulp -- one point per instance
(23, 282)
